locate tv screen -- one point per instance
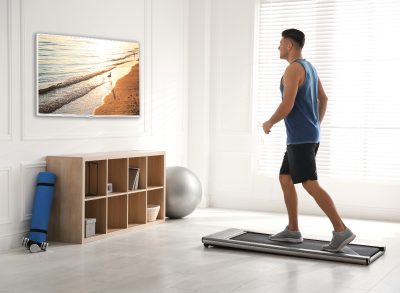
(89, 77)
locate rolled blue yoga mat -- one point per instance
(41, 209)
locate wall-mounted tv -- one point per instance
(87, 77)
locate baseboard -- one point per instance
(12, 240)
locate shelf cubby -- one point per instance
(97, 209)
(95, 178)
(156, 171)
(156, 196)
(117, 175)
(137, 208)
(117, 213)
(141, 163)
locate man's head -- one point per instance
(292, 40)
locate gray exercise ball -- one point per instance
(183, 192)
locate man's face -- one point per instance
(284, 48)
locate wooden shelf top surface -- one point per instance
(149, 188)
(114, 155)
(94, 197)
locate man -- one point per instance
(303, 107)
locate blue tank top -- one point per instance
(302, 123)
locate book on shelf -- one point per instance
(136, 183)
(134, 178)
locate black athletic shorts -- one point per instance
(299, 162)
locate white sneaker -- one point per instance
(287, 236)
(339, 240)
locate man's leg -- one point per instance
(342, 235)
(290, 195)
(325, 203)
(291, 233)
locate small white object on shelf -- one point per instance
(109, 187)
(90, 227)
(152, 212)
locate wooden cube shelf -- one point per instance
(81, 192)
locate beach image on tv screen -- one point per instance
(87, 76)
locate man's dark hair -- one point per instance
(297, 36)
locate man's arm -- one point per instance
(322, 101)
(291, 81)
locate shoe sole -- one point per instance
(291, 240)
(343, 244)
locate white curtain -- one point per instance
(355, 47)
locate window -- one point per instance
(354, 45)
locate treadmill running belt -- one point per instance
(306, 244)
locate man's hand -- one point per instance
(267, 125)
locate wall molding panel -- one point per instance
(129, 126)
(29, 172)
(148, 56)
(7, 135)
(5, 194)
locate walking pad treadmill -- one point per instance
(309, 248)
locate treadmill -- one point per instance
(309, 248)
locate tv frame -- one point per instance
(86, 115)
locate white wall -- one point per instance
(26, 139)
(233, 180)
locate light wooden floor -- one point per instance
(171, 258)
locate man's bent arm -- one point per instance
(281, 112)
(291, 85)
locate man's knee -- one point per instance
(285, 180)
(310, 185)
